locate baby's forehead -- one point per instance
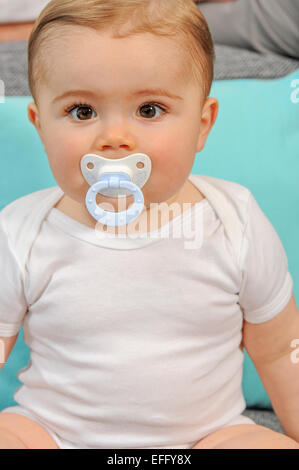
(79, 50)
(70, 40)
(66, 38)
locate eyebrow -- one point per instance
(90, 94)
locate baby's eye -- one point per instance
(83, 111)
(149, 110)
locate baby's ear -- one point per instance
(208, 118)
(33, 116)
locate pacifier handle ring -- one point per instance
(114, 180)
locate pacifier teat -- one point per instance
(115, 178)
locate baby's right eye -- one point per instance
(84, 112)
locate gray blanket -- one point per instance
(258, 25)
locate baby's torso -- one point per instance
(145, 339)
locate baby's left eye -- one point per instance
(150, 108)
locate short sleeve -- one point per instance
(266, 282)
(13, 305)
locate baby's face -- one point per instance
(119, 109)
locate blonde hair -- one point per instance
(177, 19)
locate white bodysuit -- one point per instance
(135, 343)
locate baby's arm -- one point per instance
(6, 345)
(269, 346)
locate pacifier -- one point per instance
(115, 178)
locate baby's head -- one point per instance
(179, 20)
(125, 57)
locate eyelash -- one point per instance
(68, 110)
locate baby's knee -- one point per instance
(250, 437)
(259, 439)
(246, 436)
(21, 432)
(10, 441)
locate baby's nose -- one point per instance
(116, 138)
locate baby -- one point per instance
(136, 340)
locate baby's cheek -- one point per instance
(66, 151)
(70, 145)
(66, 166)
(173, 161)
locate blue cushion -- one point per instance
(254, 142)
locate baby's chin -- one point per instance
(114, 204)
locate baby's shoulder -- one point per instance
(21, 219)
(226, 196)
(234, 191)
(231, 203)
(19, 210)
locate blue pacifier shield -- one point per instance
(115, 178)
